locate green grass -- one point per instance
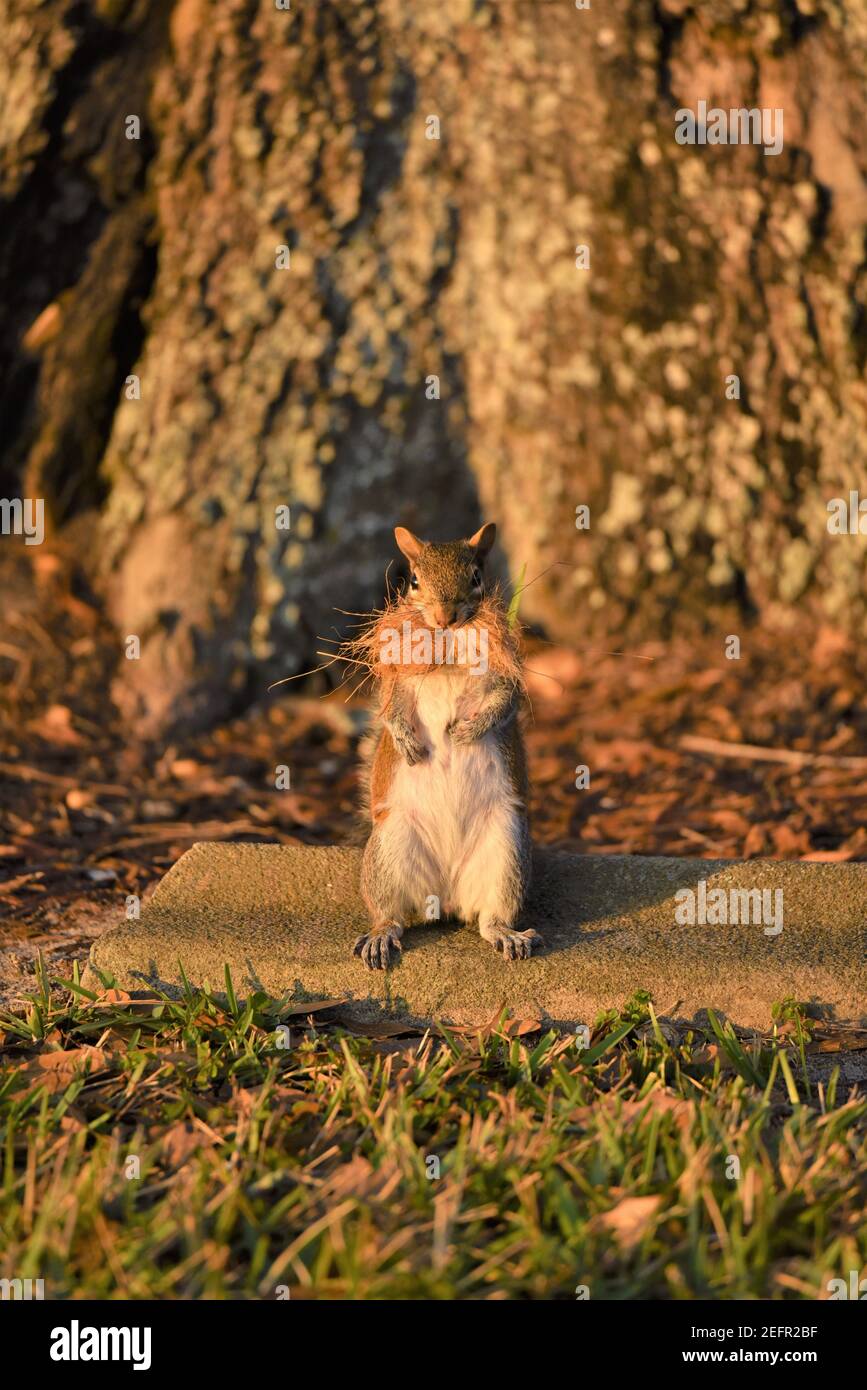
(307, 1165)
(515, 601)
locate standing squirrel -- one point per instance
(448, 778)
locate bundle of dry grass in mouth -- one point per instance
(398, 643)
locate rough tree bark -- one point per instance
(412, 258)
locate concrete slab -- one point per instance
(284, 919)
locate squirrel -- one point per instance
(448, 788)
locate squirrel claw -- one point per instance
(515, 945)
(461, 731)
(375, 947)
(412, 750)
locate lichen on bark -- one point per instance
(412, 258)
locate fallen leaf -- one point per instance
(755, 841)
(839, 1042)
(662, 1103)
(519, 1028)
(180, 1142)
(115, 996)
(55, 1070)
(185, 768)
(788, 841)
(732, 822)
(630, 1220)
(55, 726)
(300, 810)
(43, 328)
(383, 1029)
(12, 883)
(312, 1007)
(550, 671)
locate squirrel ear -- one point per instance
(483, 540)
(407, 543)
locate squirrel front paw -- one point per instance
(375, 947)
(464, 731)
(408, 745)
(413, 751)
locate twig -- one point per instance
(24, 773)
(753, 752)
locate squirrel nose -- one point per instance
(445, 614)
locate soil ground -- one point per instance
(88, 815)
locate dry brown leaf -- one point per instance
(185, 769)
(732, 822)
(55, 1070)
(830, 643)
(755, 842)
(55, 726)
(313, 1007)
(383, 1029)
(12, 884)
(662, 1103)
(627, 1111)
(72, 1123)
(705, 680)
(550, 671)
(839, 1042)
(630, 1220)
(520, 1028)
(788, 841)
(300, 810)
(43, 328)
(180, 1142)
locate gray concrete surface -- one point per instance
(284, 919)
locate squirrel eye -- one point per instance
(413, 581)
(476, 577)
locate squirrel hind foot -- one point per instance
(376, 946)
(514, 945)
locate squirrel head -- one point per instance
(446, 581)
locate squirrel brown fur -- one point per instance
(447, 781)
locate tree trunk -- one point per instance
(436, 347)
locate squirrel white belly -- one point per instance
(455, 812)
(448, 785)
